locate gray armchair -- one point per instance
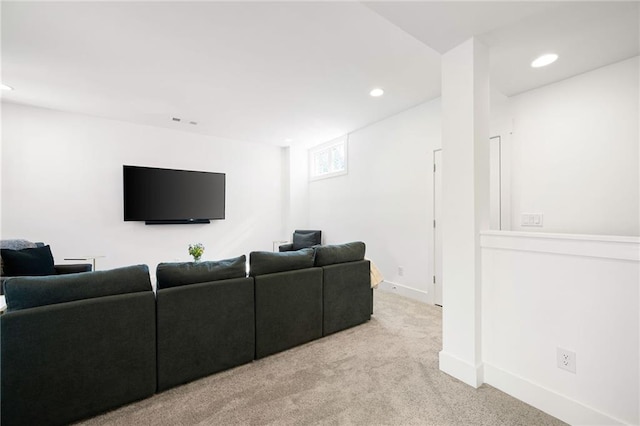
(25, 258)
(303, 239)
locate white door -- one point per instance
(437, 228)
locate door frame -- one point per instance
(435, 225)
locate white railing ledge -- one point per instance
(556, 236)
(599, 246)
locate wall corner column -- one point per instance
(465, 205)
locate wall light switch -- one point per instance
(531, 219)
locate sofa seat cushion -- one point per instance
(28, 262)
(339, 253)
(30, 292)
(266, 262)
(183, 273)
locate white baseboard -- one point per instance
(403, 290)
(547, 400)
(461, 370)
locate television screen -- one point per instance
(172, 196)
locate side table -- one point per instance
(277, 244)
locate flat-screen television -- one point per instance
(167, 196)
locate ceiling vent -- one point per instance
(178, 120)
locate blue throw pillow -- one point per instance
(28, 262)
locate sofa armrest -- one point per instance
(73, 269)
(286, 247)
(347, 295)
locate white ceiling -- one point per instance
(586, 35)
(266, 72)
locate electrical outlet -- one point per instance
(401, 271)
(566, 360)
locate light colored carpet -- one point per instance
(384, 372)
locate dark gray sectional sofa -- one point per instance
(306, 294)
(347, 297)
(76, 345)
(206, 319)
(288, 299)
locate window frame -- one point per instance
(327, 147)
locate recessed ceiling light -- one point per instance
(288, 140)
(376, 92)
(5, 87)
(544, 60)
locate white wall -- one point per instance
(298, 213)
(544, 291)
(386, 198)
(62, 184)
(575, 155)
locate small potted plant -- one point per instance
(196, 251)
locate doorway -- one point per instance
(498, 203)
(437, 229)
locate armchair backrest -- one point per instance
(306, 238)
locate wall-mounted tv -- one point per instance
(168, 196)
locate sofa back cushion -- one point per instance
(266, 262)
(28, 261)
(177, 274)
(30, 292)
(339, 253)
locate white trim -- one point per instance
(599, 246)
(327, 175)
(406, 291)
(461, 370)
(558, 405)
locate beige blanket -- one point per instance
(376, 275)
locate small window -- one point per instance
(329, 159)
